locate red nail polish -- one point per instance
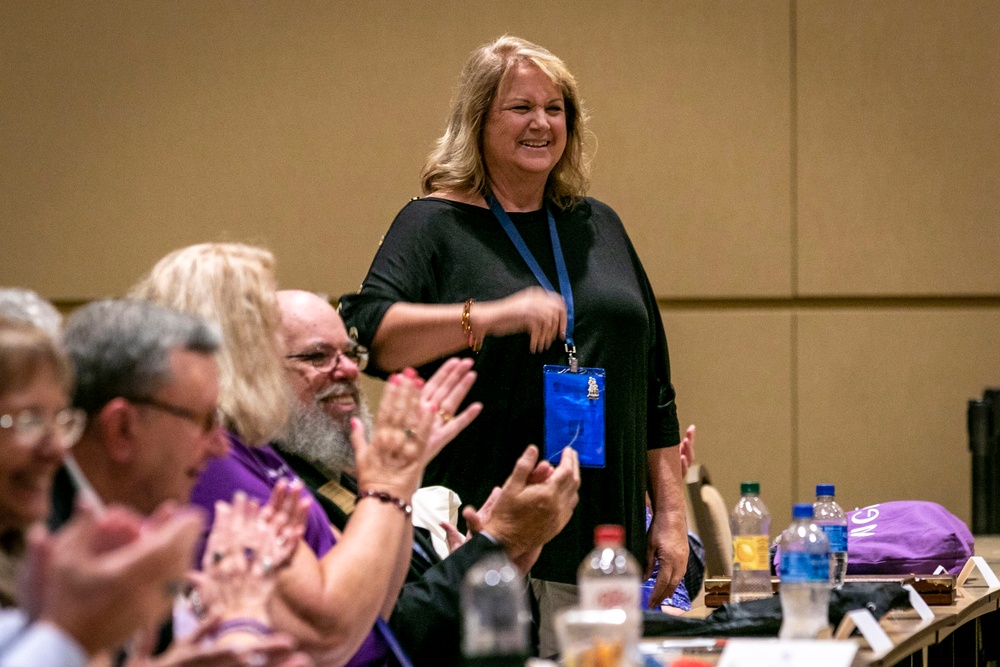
(395, 379)
(409, 372)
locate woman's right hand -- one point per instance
(534, 310)
(394, 459)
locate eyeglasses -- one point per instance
(30, 426)
(326, 359)
(208, 423)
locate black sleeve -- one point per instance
(427, 618)
(662, 427)
(402, 270)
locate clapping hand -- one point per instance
(247, 547)
(533, 505)
(101, 578)
(446, 389)
(394, 460)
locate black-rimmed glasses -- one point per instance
(207, 423)
(326, 359)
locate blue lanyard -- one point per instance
(564, 287)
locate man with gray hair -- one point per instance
(17, 303)
(148, 380)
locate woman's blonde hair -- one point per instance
(232, 284)
(457, 162)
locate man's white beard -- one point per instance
(322, 440)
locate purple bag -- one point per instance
(906, 537)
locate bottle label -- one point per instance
(750, 552)
(619, 593)
(799, 567)
(837, 534)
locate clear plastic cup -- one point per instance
(595, 637)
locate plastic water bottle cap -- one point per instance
(749, 487)
(610, 534)
(802, 511)
(825, 490)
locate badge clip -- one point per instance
(574, 365)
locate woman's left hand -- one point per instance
(666, 539)
(247, 547)
(446, 389)
(666, 544)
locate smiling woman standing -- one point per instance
(474, 267)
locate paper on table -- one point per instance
(788, 653)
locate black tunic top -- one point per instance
(438, 251)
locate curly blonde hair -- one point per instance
(232, 284)
(457, 162)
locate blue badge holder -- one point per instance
(574, 413)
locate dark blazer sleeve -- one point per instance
(427, 618)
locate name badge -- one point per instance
(574, 413)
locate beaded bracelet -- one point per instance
(384, 497)
(249, 625)
(474, 343)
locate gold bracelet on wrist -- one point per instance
(475, 343)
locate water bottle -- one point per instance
(805, 577)
(828, 515)
(495, 614)
(610, 578)
(751, 524)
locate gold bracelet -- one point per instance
(474, 343)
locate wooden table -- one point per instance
(951, 639)
(965, 634)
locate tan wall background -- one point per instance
(810, 184)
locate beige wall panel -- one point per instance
(899, 140)
(692, 121)
(882, 401)
(732, 372)
(132, 128)
(138, 127)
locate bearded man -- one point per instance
(534, 504)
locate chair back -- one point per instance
(711, 517)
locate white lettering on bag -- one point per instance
(864, 531)
(865, 515)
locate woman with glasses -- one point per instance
(107, 572)
(37, 426)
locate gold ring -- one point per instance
(445, 417)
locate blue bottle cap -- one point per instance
(802, 511)
(825, 490)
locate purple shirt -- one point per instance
(255, 471)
